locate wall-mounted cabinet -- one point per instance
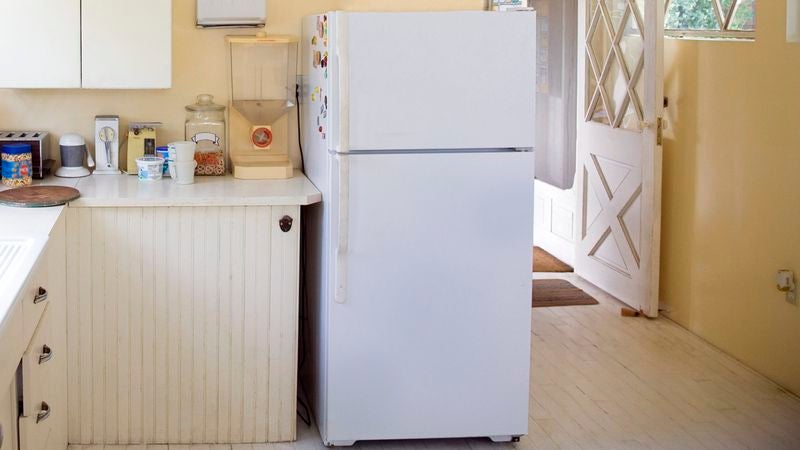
(96, 44)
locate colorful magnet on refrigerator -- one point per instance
(317, 59)
(324, 61)
(314, 40)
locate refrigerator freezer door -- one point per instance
(433, 337)
(449, 80)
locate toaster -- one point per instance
(38, 140)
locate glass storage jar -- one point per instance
(205, 126)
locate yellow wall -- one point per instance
(199, 62)
(731, 205)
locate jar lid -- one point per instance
(16, 149)
(205, 102)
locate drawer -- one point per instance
(38, 368)
(35, 299)
(42, 406)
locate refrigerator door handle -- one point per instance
(342, 244)
(343, 72)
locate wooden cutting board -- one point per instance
(38, 196)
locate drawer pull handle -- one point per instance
(41, 296)
(44, 413)
(47, 354)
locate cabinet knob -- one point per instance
(286, 223)
(42, 415)
(41, 296)
(47, 354)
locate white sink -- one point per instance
(11, 251)
(18, 256)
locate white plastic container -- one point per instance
(150, 168)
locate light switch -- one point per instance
(785, 283)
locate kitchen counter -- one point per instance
(34, 225)
(128, 191)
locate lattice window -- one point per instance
(711, 19)
(615, 56)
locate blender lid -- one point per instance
(71, 139)
(205, 102)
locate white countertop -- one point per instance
(128, 191)
(34, 224)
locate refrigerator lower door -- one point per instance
(432, 336)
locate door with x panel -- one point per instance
(620, 105)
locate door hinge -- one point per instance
(659, 130)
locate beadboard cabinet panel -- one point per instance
(182, 325)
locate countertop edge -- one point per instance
(195, 202)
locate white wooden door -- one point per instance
(620, 103)
(126, 45)
(40, 44)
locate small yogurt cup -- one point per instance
(151, 168)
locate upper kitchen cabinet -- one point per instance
(97, 44)
(40, 43)
(126, 45)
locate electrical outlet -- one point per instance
(786, 283)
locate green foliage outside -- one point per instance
(699, 15)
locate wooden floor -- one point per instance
(607, 382)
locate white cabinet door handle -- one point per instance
(41, 296)
(47, 354)
(42, 415)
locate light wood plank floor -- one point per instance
(600, 381)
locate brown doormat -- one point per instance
(548, 293)
(545, 262)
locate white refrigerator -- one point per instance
(418, 128)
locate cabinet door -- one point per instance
(40, 43)
(127, 45)
(44, 415)
(43, 421)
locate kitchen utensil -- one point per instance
(106, 145)
(150, 168)
(107, 136)
(38, 196)
(40, 148)
(205, 126)
(181, 151)
(182, 172)
(73, 150)
(17, 164)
